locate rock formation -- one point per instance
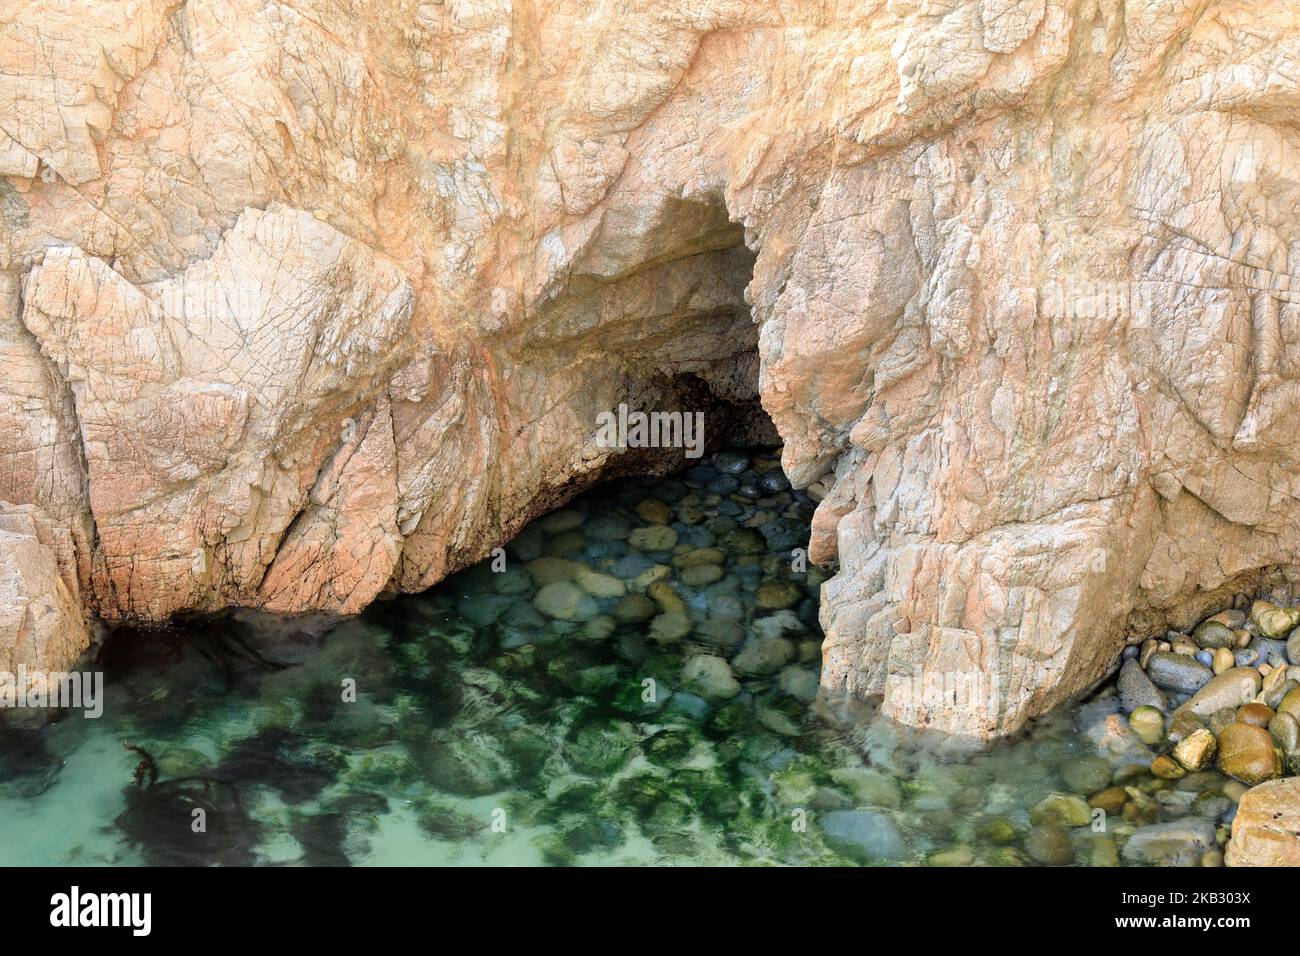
(302, 303)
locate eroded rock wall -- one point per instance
(305, 303)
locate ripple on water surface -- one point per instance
(636, 684)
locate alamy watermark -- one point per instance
(37, 690)
(638, 429)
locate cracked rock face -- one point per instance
(304, 303)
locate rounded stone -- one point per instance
(775, 595)
(1063, 809)
(634, 608)
(1136, 689)
(744, 542)
(1257, 715)
(1177, 672)
(1086, 774)
(658, 537)
(1148, 723)
(564, 601)
(699, 556)
(1111, 800)
(1229, 689)
(730, 462)
(1223, 660)
(1166, 768)
(669, 627)
(1049, 845)
(1214, 634)
(1248, 754)
(1285, 729)
(599, 585)
(710, 677)
(697, 576)
(654, 511)
(1290, 704)
(863, 835)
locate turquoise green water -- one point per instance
(545, 713)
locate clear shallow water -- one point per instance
(486, 732)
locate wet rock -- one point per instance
(773, 482)
(608, 528)
(761, 656)
(1214, 634)
(599, 585)
(634, 608)
(1284, 728)
(1063, 809)
(730, 462)
(957, 856)
(1230, 689)
(1086, 774)
(1111, 800)
(1177, 843)
(701, 575)
(1148, 723)
(472, 764)
(1222, 660)
(655, 538)
(777, 595)
(549, 570)
(564, 601)
(1176, 672)
(1275, 622)
(1290, 703)
(1166, 768)
(744, 542)
(669, 627)
(868, 787)
(1293, 647)
(997, 830)
(1274, 695)
(1246, 657)
(1257, 715)
(1248, 754)
(654, 511)
(710, 677)
(699, 556)
(1049, 845)
(1136, 689)
(600, 749)
(863, 835)
(1266, 829)
(1196, 750)
(801, 683)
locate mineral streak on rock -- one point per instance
(302, 303)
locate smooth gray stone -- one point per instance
(1176, 672)
(1137, 690)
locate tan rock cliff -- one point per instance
(299, 303)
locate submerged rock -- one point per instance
(1176, 843)
(863, 835)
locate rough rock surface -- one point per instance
(299, 303)
(1266, 830)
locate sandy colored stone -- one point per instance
(1266, 829)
